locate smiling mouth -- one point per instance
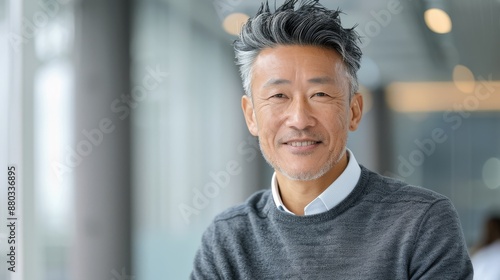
(302, 143)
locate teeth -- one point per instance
(300, 144)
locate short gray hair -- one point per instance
(309, 24)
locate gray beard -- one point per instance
(305, 176)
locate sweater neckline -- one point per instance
(273, 212)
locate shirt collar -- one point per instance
(332, 196)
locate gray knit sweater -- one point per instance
(385, 229)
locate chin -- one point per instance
(304, 175)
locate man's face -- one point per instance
(300, 109)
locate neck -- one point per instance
(296, 195)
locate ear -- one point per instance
(356, 111)
(249, 113)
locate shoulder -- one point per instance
(390, 190)
(253, 206)
(419, 209)
(235, 222)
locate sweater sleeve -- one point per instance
(440, 251)
(204, 263)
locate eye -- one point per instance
(320, 94)
(278, 95)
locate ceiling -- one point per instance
(402, 48)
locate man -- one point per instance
(325, 217)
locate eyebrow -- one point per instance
(321, 80)
(316, 80)
(275, 82)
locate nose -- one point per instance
(299, 114)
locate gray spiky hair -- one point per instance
(308, 24)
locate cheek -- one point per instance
(345, 116)
(338, 127)
(342, 122)
(268, 130)
(268, 123)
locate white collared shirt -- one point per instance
(332, 196)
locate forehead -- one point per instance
(285, 51)
(297, 62)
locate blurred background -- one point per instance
(123, 118)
